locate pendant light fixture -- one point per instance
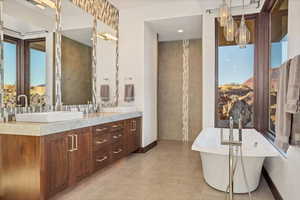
(230, 27)
(224, 13)
(243, 36)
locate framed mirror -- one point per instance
(28, 28)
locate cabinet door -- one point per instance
(81, 157)
(57, 149)
(133, 135)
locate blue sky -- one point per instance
(235, 64)
(37, 64)
(9, 63)
(279, 52)
(37, 67)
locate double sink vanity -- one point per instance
(58, 46)
(39, 160)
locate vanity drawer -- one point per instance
(117, 137)
(100, 130)
(101, 140)
(101, 158)
(117, 126)
(117, 151)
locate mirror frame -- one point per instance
(104, 11)
(1, 56)
(58, 36)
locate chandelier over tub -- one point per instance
(243, 36)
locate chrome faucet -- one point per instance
(231, 143)
(26, 99)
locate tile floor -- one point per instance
(170, 171)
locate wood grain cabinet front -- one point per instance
(81, 157)
(68, 159)
(60, 160)
(101, 158)
(132, 132)
(57, 156)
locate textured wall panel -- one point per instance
(76, 72)
(102, 10)
(170, 93)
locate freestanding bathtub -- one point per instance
(214, 158)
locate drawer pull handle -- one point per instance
(72, 143)
(103, 159)
(117, 126)
(133, 125)
(101, 141)
(101, 129)
(76, 142)
(119, 151)
(117, 136)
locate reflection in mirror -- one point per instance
(76, 55)
(106, 58)
(76, 66)
(77, 58)
(28, 52)
(36, 52)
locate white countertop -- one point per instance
(41, 129)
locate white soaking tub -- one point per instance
(214, 158)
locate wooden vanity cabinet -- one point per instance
(37, 168)
(81, 157)
(133, 128)
(101, 146)
(57, 162)
(68, 158)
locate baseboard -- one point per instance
(272, 186)
(147, 148)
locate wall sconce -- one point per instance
(107, 36)
(42, 4)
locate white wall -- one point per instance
(106, 62)
(285, 171)
(137, 59)
(150, 86)
(133, 60)
(208, 43)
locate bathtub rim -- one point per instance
(222, 150)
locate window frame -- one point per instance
(247, 17)
(23, 64)
(269, 8)
(18, 43)
(27, 64)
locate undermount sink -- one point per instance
(48, 116)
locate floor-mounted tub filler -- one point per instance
(216, 162)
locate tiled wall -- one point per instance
(170, 89)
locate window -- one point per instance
(24, 70)
(10, 72)
(37, 68)
(279, 53)
(235, 83)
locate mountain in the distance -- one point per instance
(274, 77)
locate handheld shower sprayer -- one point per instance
(241, 128)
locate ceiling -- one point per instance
(124, 4)
(83, 35)
(167, 29)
